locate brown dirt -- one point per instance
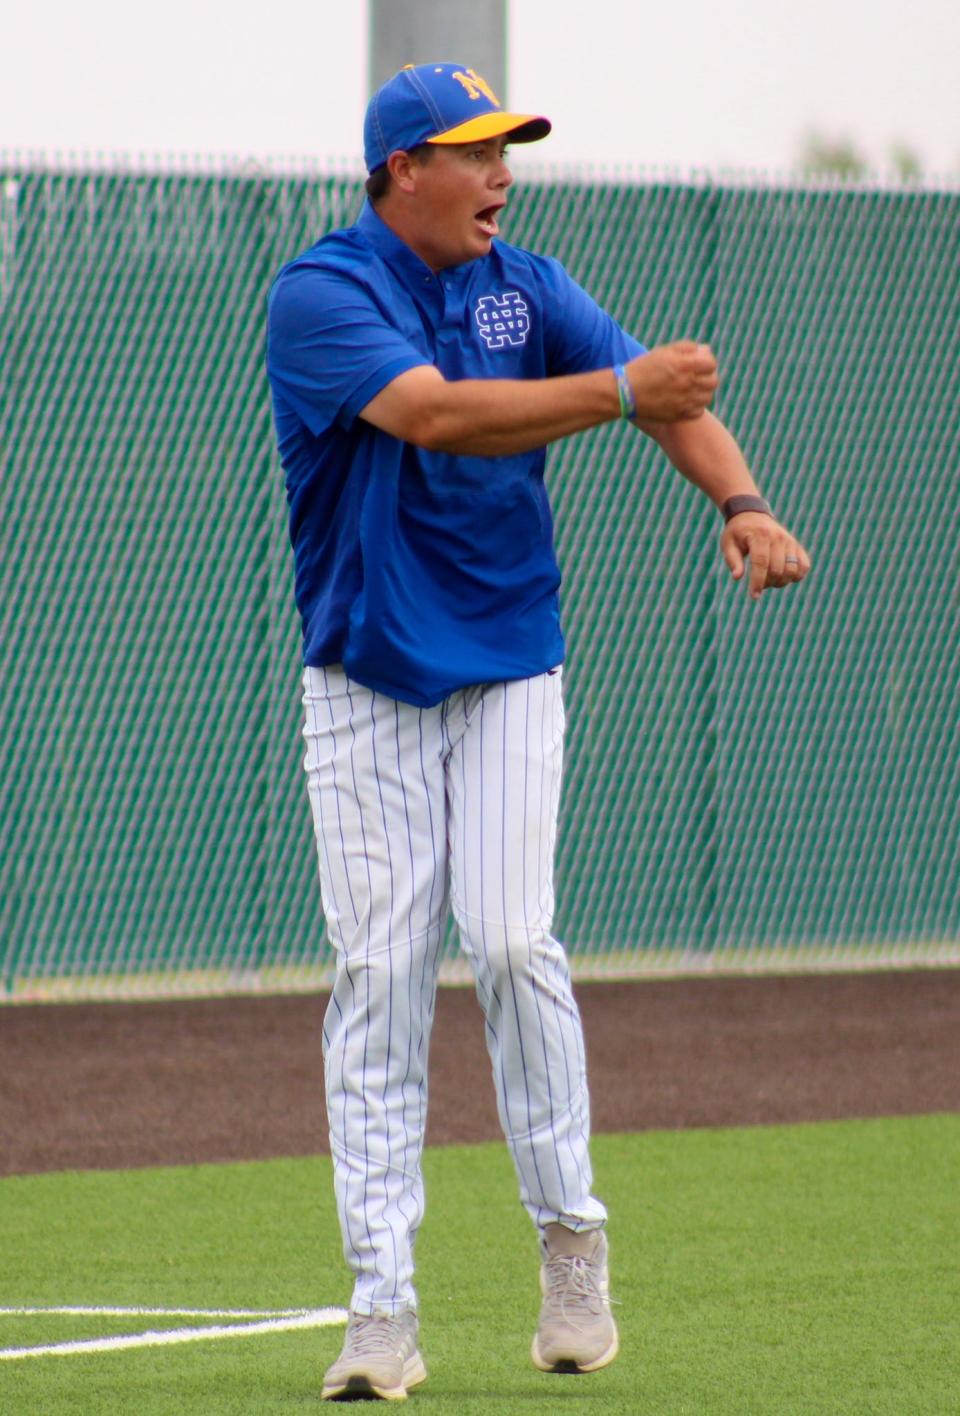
(132, 1084)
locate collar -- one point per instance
(395, 252)
(398, 254)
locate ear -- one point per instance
(402, 167)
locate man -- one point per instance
(419, 366)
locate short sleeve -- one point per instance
(330, 348)
(580, 335)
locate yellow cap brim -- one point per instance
(521, 127)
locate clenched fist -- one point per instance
(673, 381)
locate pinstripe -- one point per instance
(309, 702)
(386, 1071)
(342, 952)
(420, 1013)
(314, 766)
(550, 1154)
(394, 776)
(366, 1015)
(410, 964)
(428, 981)
(574, 1019)
(536, 996)
(494, 996)
(464, 874)
(568, 1019)
(343, 962)
(560, 987)
(542, 762)
(506, 924)
(562, 984)
(549, 772)
(376, 1036)
(336, 791)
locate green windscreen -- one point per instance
(772, 785)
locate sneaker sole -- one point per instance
(361, 1388)
(572, 1366)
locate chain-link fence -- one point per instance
(772, 785)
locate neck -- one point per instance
(407, 228)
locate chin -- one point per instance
(474, 245)
(481, 244)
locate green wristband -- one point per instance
(628, 404)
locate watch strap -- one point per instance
(733, 506)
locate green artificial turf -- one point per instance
(789, 1271)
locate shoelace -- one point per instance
(572, 1287)
(373, 1335)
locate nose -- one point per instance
(502, 176)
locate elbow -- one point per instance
(427, 433)
(431, 428)
(415, 409)
(415, 427)
(427, 417)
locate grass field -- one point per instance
(790, 1271)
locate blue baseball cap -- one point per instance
(439, 103)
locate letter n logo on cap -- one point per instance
(475, 86)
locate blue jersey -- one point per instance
(420, 572)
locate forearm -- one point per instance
(707, 455)
(498, 417)
(492, 417)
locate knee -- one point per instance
(501, 949)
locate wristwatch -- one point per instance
(734, 505)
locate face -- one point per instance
(456, 198)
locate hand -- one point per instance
(776, 558)
(673, 381)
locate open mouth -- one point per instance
(487, 220)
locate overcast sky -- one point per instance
(694, 85)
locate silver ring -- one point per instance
(790, 560)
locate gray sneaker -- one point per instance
(576, 1331)
(379, 1360)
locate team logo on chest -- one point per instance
(503, 320)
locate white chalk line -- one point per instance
(82, 1312)
(308, 1318)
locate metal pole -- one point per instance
(470, 32)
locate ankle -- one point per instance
(559, 1240)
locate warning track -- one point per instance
(115, 1085)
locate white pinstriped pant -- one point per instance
(412, 806)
